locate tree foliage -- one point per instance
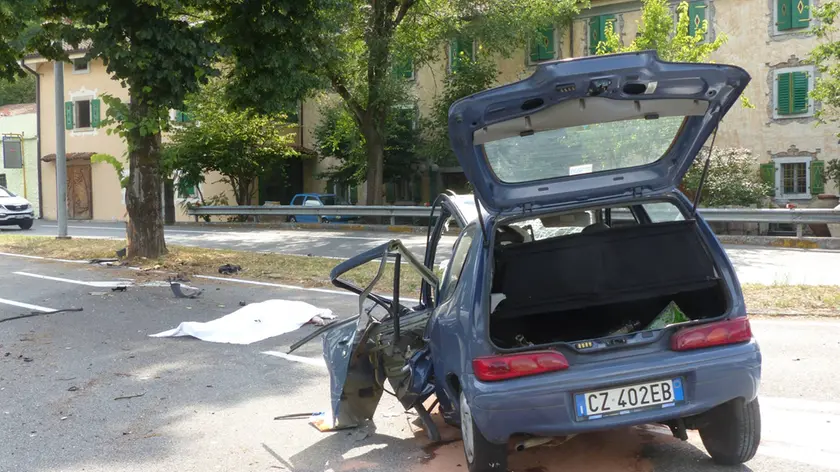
(826, 58)
(240, 144)
(160, 53)
(352, 46)
(17, 18)
(733, 178)
(17, 90)
(469, 78)
(337, 136)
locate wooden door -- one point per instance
(79, 192)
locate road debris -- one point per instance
(73, 389)
(98, 294)
(121, 288)
(126, 397)
(229, 269)
(40, 313)
(180, 293)
(252, 323)
(121, 253)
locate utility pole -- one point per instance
(60, 151)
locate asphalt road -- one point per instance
(753, 264)
(207, 406)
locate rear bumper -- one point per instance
(14, 219)
(546, 407)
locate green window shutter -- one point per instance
(800, 14)
(457, 48)
(696, 16)
(68, 115)
(598, 30)
(594, 34)
(783, 93)
(799, 93)
(542, 49)
(390, 192)
(784, 16)
(404, 69)
(94, 113)
(817, 177)
(768, 175)
(417, 189)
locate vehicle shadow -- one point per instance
(638, 449)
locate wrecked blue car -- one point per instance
(584, 291)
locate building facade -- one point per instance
(19, 152)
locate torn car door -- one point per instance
(360, 355)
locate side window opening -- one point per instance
(452, 273)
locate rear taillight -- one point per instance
(712, 334)
(489, 369)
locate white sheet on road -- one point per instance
(252, 323)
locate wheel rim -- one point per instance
(467, 430)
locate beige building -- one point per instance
(769, 38)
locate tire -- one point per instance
(292, 219)
(481, 454)
(26, 225)
(324, 220)
(732, 431)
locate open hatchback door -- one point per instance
(588, 129)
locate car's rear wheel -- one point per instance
(481, 454)
(292, 219)
(731, 432)
(26, 225)
(324, 220)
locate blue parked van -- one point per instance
(319, 200)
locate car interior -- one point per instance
(599, 272)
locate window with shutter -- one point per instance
(696, 16)
(817, 177)
(404, 69)
(597, 30)
(542, 49)
(783, 85)
(460, 49)
(793, 177)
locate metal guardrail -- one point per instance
(733, 215)
(333, 210)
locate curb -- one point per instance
(782, 241)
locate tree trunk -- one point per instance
(375, 146)
(169, 201)
(145, 222)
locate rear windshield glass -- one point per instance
(582, 149)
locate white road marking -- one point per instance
(40, 258)
(76, 282)
(269, 284)
(319, 362)
(25, 305)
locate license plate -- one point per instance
(629, 399)
(20, 217)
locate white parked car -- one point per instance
(14, 210)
